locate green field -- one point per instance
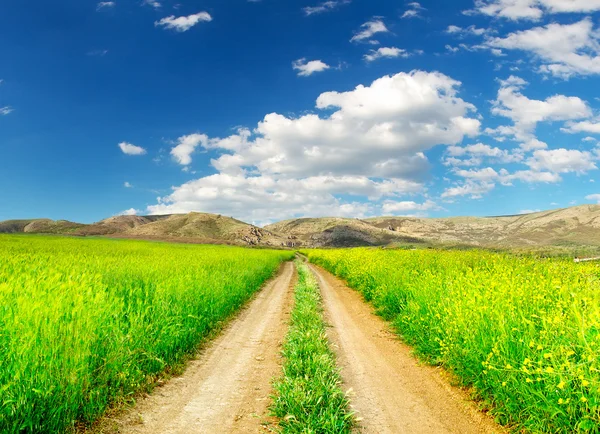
(523, 331)
(86, 323)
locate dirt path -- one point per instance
(227, 389)
(392, 393)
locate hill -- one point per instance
(561, 227)
(337, 232)
(568, 227)
(192, 227)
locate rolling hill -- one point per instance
(567, 227)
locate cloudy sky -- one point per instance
(268, 109)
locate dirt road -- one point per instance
(227, 389)
(392, 393)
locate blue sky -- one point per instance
(266, 110)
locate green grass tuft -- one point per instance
(309, 398)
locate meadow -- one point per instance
(522, 332)
(86, 323)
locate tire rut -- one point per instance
(391, 392)
(227, 388)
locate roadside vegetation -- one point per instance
(523, 331)
(308, 396)
(87, 323)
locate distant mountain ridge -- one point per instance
(576, 226)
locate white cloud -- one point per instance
(155, 4)
(529, 211)
(476, 153)
(259, 199)
(387, 52)
(324, 7)
(305, 68)
(102, 5)
(592, 127)
(368, 143)
(6, 110)
(482, 175)
(527, 113)
(533, 144)
(183, 24)
(369, 29)
(471, 30)
(471, 188)
(589, 139)
(562, 161)
(100, 53)
(532, 10)
(393, 207)
(127, 185)
(593, 197)
(413, 11)
(186, 146)
(130, 211)
(130, 149)
(564, 49)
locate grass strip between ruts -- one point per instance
(308, 397)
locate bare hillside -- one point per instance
(206, 226)
(337, 232)
(568, 227)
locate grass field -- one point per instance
(85, 323)
(523, 331)
(309, 398)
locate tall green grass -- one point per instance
(524, 331)
(84, 323)
(308, 397)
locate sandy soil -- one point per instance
(227, 389)
(391, 392)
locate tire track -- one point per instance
(392, 393)
(227, 388)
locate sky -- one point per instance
(267, 110)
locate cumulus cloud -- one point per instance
(590, 126)
(527, 113)
(127, 185)
(369, 143)
(186, 147)
(130, 211)
(324, 7)
(532, 10)
(183, 24)
(474, 155)
(471, 188)
(407, 206)
(129, 149)
(594, 197)
(369, 29)
(387, 52)
(562, 161)
(564, 49)
(305, 68)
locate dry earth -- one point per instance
(227, 389)
(391, 392)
